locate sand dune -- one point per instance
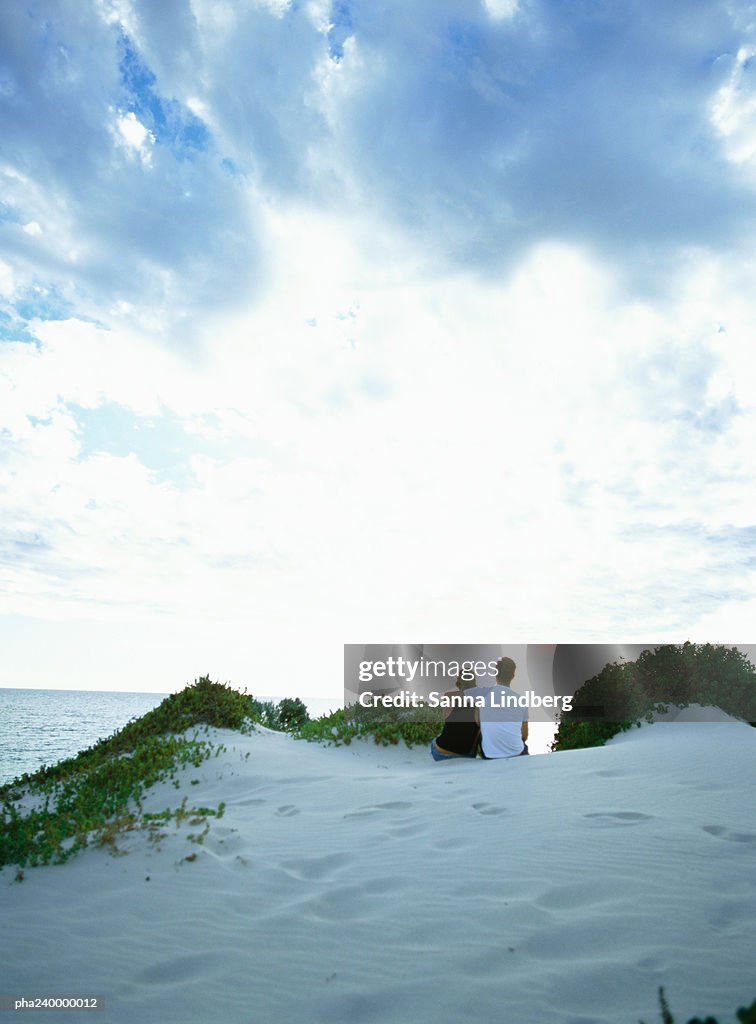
(371, 884)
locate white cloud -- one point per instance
(733, 110)
(501, 9)
(7, 286)
(277, 7)
(435, 325)
(131, 133)
(435, 499)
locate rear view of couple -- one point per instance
(469, 730)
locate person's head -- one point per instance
(464, 680)
(505, 670)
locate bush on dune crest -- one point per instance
(387, 728)
(745, 1015)
(621, 695)
(95, 795)
(289, 715)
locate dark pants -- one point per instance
(438, 756)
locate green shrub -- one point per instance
(83, 797)
(671, 674)
(386, 727)
(700, 674)
(292, 714)
(289, 715)
(81, 803)
(577, 735)
(203, 702)
(264, 712)
(745, 1015)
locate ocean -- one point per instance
(42, 727)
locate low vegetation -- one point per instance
(288, 715)
(624, 694)
(93, 798)
(745, 1015)
(49, 815)
(385, 727)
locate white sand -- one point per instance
(371, 884)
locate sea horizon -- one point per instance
(45, 725)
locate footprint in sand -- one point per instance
(181, 969)
(651, 963)
(225, 842)
(489, 809)
(342, 903)
(573, 896)
(731, 837)
(408, 828)
(727, 914)
(307, 869)
(453, 843)
(392, 805)
(618, 817)
(287, 810)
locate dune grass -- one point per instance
(48, 815)
(387, 728)
(95, 797)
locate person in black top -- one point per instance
(459, 737)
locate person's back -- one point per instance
(460, 732)
(503, 723)
(501, 727)
(459, 737)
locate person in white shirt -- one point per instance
(503, 729)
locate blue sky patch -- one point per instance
(341, 29)
(47, 304)
(9, 215)
(12, 329)
(170, 122)
(159, 442)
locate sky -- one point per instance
(370, 321)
